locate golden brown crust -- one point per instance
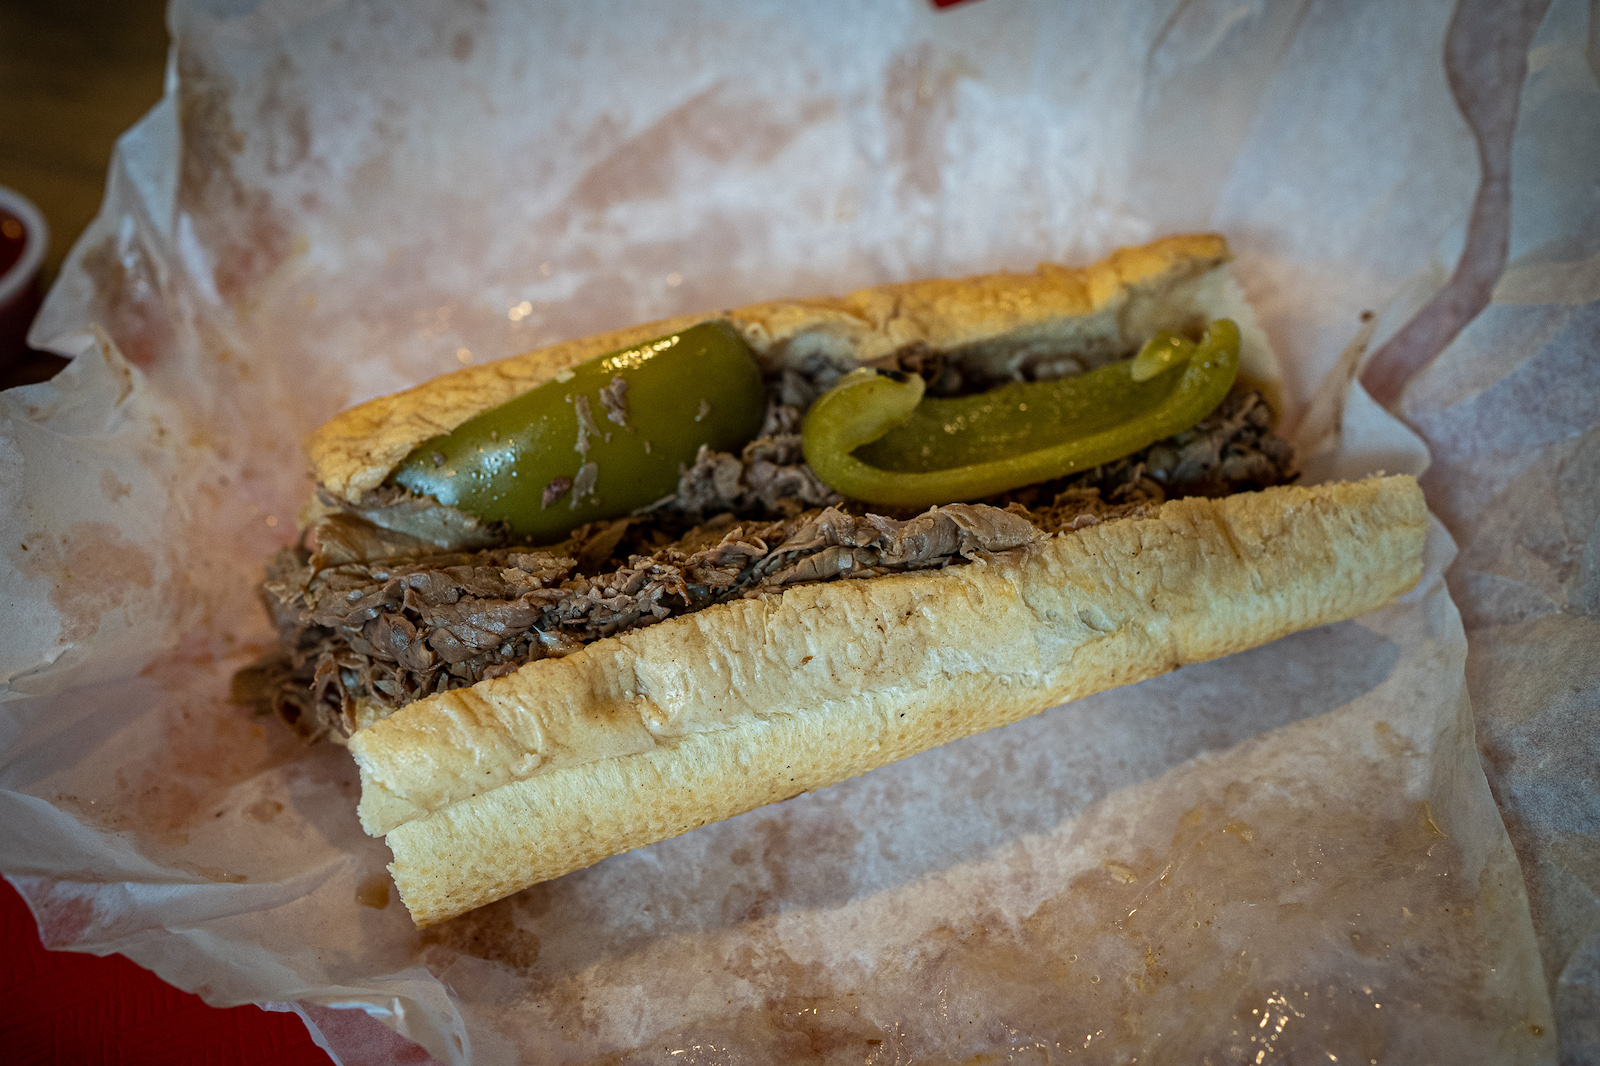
(990, 319)
(705, 716)
(962, 314)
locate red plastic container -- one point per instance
(23, 240)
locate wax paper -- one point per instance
(1289, 855)
(1512, 416)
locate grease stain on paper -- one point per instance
(374, 892)
(1165, 947)
(500, 932)
(712, 125)
(113, 488)
(207, 747)
(247, 234)
(91, 569)
(919, 99)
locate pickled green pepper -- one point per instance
(599, 440)
(875, 438)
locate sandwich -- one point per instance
(599, 594)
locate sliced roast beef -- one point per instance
(372, 618)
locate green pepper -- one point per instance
(875, 438)
(599, 440)
(1160, 353)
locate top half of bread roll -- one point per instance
(991, 323)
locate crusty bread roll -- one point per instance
(715, 713)
(483, 791)
(993, 322)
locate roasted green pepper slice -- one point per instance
(600, 440)
(875, 438)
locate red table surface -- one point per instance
(67, 1007)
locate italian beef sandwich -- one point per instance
(600, 594)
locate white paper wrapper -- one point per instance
(1289, 855)
(1512, 416)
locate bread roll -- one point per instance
(992, 322)
(746, 703)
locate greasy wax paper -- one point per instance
(1289, 855)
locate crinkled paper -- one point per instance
(1289, 855)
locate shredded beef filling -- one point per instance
(373, 618)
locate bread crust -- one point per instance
(651, 734)
(989, 321)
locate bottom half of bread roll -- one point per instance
(755, 701)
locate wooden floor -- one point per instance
(74, 74)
